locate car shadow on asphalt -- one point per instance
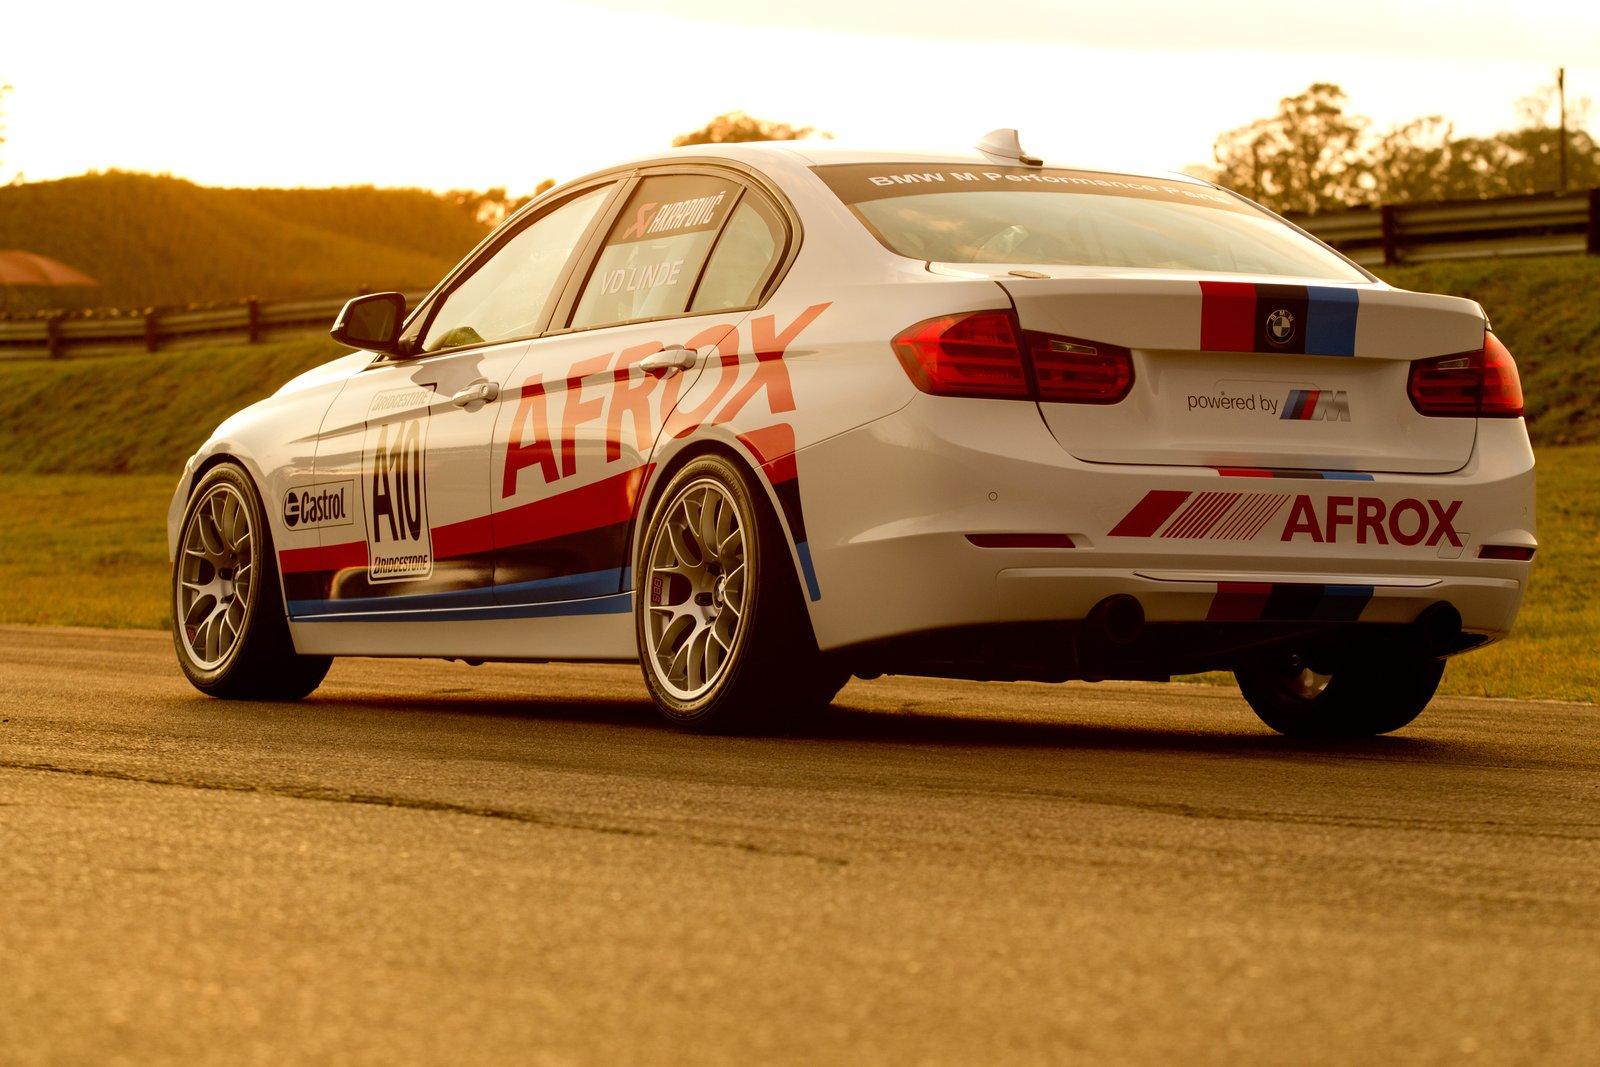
(842, 724)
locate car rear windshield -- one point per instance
(956, 214)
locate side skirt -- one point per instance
(600, 629)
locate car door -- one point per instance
(630, 338)
(409, 439)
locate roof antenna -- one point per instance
(1005, 145)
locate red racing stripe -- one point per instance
(1239, 601)
(1227, 316)
(465, 538)
(773, 447)
(1149, 514)
(323, 558)
(610, 500)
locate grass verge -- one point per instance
(138, 413)
(90, 550)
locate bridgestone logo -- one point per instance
(395, 566)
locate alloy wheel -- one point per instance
(697, 589)
(216, 576)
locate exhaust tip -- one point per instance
(1118, 618)
(1439, 627)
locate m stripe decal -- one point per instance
(1331, 321)
(1266, 472)
(1287, 602)
(1233, 317)
(1150, 514)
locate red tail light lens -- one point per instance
(981, 354)
(965, 355)
(1072, 371)
(1482, 384)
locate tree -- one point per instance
(1312, 156)
(493, 206)
(1307, 157)
(1416, 160)
(737, 126)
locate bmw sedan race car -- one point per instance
(767, 416)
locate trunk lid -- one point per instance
(1233, 371)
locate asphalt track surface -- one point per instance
(432, 862)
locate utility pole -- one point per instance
(1561, 141)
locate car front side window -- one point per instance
(505, 297)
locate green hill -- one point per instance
(160, 240)
(1547, 311)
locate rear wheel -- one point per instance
(1374, 695)
(228, 620)
(724, 637)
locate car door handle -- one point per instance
(669, 359)
(477, 393)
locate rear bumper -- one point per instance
(890, 508)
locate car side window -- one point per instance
(653, 255)
(506, 295)
(743, 257)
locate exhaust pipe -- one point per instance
(1118, 619)
(1438, 628)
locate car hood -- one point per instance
(332, 371)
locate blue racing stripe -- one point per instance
(1331, 321)
(1346, 476)
(564, 587)
(1343, 603)
(804, 551)
(617, 604)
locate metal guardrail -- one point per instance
(1382, 236)
(62, 334)
(1466, 229)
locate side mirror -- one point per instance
(372, 322)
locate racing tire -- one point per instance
(1375, 695)
(725, 640)
(229, 625)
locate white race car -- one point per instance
(766, 416)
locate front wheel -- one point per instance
(724, 637)
(1375, 695)
(228, 620)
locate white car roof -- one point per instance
(819, 152)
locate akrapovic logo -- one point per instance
(1316, 405)
(308, 507)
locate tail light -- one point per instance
(965, 355)
(1071, 371)
(1481, 384)
(982, 354)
